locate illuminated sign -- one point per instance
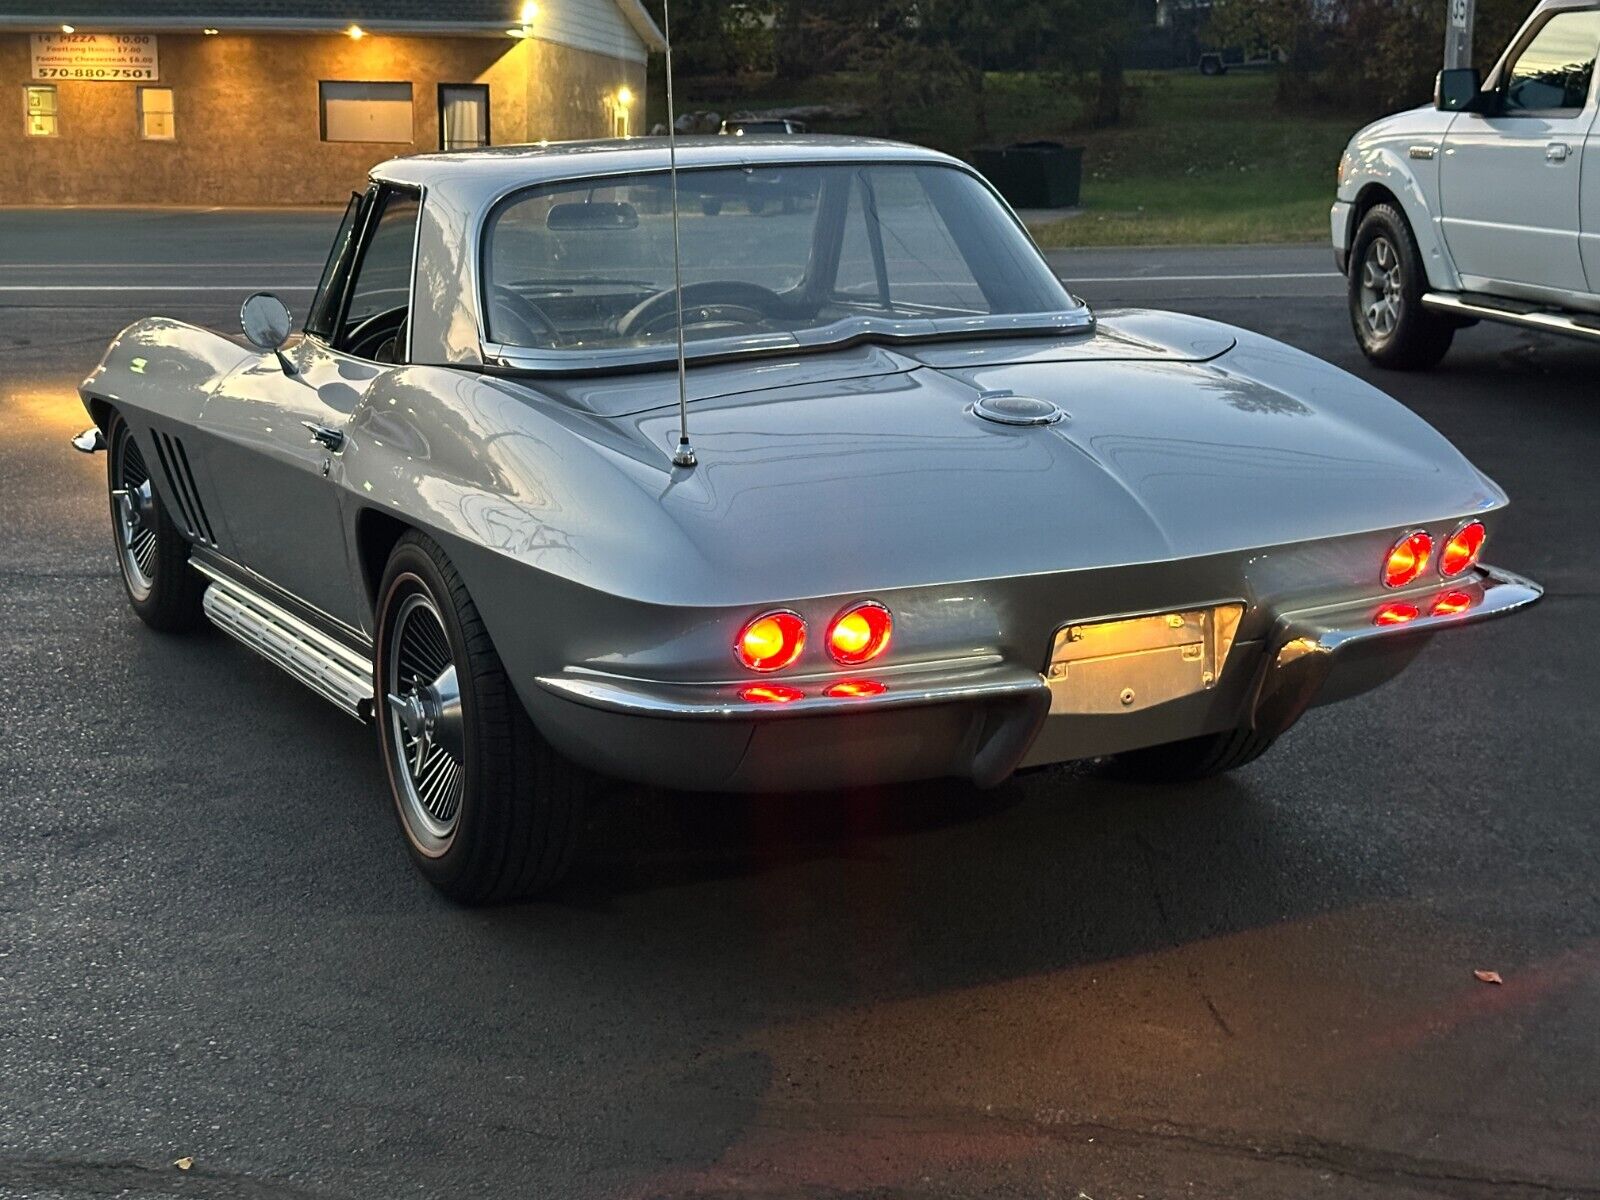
(103, 57)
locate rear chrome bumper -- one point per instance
(980, 718)
(1322, 655)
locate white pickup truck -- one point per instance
(1483, 206)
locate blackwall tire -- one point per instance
(152, 556)
(1385, 285)
(489, 811)
(1190, 759)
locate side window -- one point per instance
(898, 253)
(324, 312)
(380, 291)
(1553, 71)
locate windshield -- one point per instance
(787, 255)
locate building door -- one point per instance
(463, 115)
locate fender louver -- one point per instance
(180, 481)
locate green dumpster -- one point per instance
(1033, 174)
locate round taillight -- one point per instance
(1407, 558)
(1461, 551)
(1395, 614)
(771, 641)
(1451, 603)
(855, 689)
(770, 693)
(860, 634)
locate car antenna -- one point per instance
(684, 455)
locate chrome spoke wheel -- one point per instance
(1382, 288)
(133, 514)
(428, 758)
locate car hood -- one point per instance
(892, 480)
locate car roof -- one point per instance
(496, 168)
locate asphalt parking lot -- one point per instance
(212, 946)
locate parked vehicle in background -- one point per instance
(1476, 207)
(1220, 62)
(739, 126)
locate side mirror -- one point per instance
(267, 324)
(1460, 89)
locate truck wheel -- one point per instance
(1192, 758)
(163, 591)
(490, 812)
(1386, 285)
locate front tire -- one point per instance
(489, 811)
(1191, 759)
(153, 556)
(1385, 287)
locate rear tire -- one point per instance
(1191, 759)
(489, 811)
(152, 555)
(1385, 286)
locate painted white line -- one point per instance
(149, 287)
(158, 266)
(1200, 278)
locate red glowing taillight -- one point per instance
(1461, 551)
(771, 641)
(860, 634)
(855, 689)
(770, 693)
(1407, 558)
(1395, 614)
(1450, 603)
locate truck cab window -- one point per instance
(1553, 71)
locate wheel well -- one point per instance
(100, 412)
(1367, 199)
(376, 535)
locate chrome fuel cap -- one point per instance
(1007, 408)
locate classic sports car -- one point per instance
(933, 516)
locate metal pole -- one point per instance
(684, 455)
(1458, 33)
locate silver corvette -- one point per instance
(932, 515)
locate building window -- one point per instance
(155, 114)
(463, 115)
(39, 110)
(365, 112)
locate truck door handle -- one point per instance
(1557, 151)
(326, 436)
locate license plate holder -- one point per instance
(1125, 664)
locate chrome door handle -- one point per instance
(1557, 152)
(325, 436)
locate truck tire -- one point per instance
(1386, 283)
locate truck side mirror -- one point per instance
(1460, 89)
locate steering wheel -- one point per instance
(528, 324)
(373, 333)
(708, 301)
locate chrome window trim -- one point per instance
(527, 359)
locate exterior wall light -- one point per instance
(624, 96)
(530, 12)
(210, 32)
(356, 33)
(69, 29)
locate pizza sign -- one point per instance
(95, 57)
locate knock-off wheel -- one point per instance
(489, 811)
(152, 555)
